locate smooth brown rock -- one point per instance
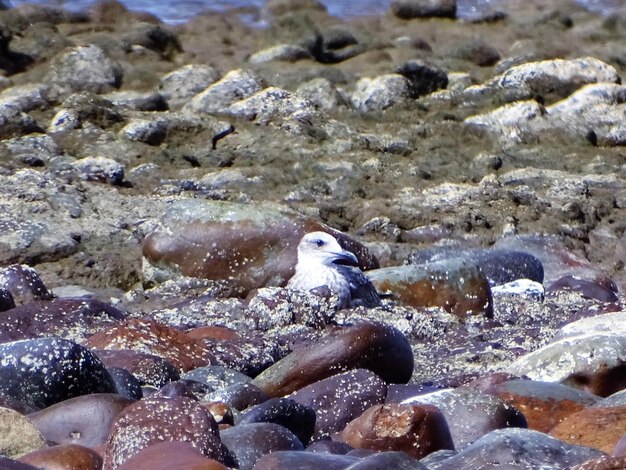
(64, 457)
(18, 435)
(600, 428)
(149, 369)
(250, 245)
(377, 347)
(172, 455)
(155, 419)
(83, 420)
(417, 430)
(153, 338)
(459, 287)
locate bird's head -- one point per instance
(322, 247)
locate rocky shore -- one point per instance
(155, 182)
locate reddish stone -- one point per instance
(600, 428)
(172, 455)
(458, 287)
(379, 348)
(147, 368)
(153, 338)
(64, 457)
(212, 332)
(417, 430)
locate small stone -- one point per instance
(100, 169)
(171, 455)
(61, 456)
(147, 131)
(281, 53)
(24, 283)
(423, 78)
(410, 9)
(182, 84)
(19, 436)
(149, 369)
(380, 93)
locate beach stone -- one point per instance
(470, 414)
(594, 362)
(239, 395)
(83, 420)
(74, 319)
(270, 104)
(154, 37)
(397, 460)
(14, 122)
(100, 169)
(339, 399)
(423, 78)
(460, 287)
(181, 84)
(64, 456)
(500, 266)
(126, 384)
(171, 455)
(153, 420)
(321, 93)
(18, 435)
(599, 428)
(81, 108)
(149, 369)
(10, 464)
(216, 377)
(508, 122)
(6, 300)
(296, 28)
(606, 323)
(282, 459)
(137, 100)
(280, 52)
(329, 447)
(26, 97)
(543, 404)
(283, 7)
(31, 150)
(416, 430)
(377, 347)
(299, 419)
(147, 131)
(217, 97)
(84, 68)
(603, 289)
(606, 462)
(248, 442)
(250, 245)
(42, 372)
(378, 94)
(517, 447)
(153, 338)
(477, 52)
(521, 288)
(410, 9)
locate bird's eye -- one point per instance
(319, 242)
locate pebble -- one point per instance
(149, 369)
(379, 93)
(63, 456)
(19, 435)
(171, 455)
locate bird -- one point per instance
(323, 262)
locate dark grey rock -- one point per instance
(409, 9)
(299, 419)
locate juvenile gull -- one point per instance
(323, 262)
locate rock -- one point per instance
(410, 9)
(126, 384)
(69, 318)
(295, 28)
(415, 430)
(148, 368)
(592, 361)
(84, 68)
(543, 404)
(380, 93)
(147, 131)
(321, 93)
(71, 456)
(24, 283)
(42, 372)
(251, 245)
(31, 150)
(606, 462)
(10, 464)
(521, 288)
(588, 289)
(499, 265)
(182, 84)
(377, 347)
(153, 338)
(84, 420)
(280, 52)
(100, 169)
(216, 377)
(515, 447)
(154, 37)
(137, 100)
(423, 78)
(509, 121)
(248, 442)
(14, 122)
(399, 460)
(609, 323)
(239, 396)
(269, 105)
(6, 300)
(19, 436)
(456, 285)
(153, 420)
(27, 97)
(217, 97)
(339, 399)
(470, 414)
(171, 455)
(283, 7)
(299, 419)
(477, 52)
(303, 460)
(598, 428)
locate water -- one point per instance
(172, 11)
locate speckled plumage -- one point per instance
(319, 255)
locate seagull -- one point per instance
(323, 262)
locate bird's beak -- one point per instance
(346, 257)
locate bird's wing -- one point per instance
(362, 291)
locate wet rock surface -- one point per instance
(155, 181)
